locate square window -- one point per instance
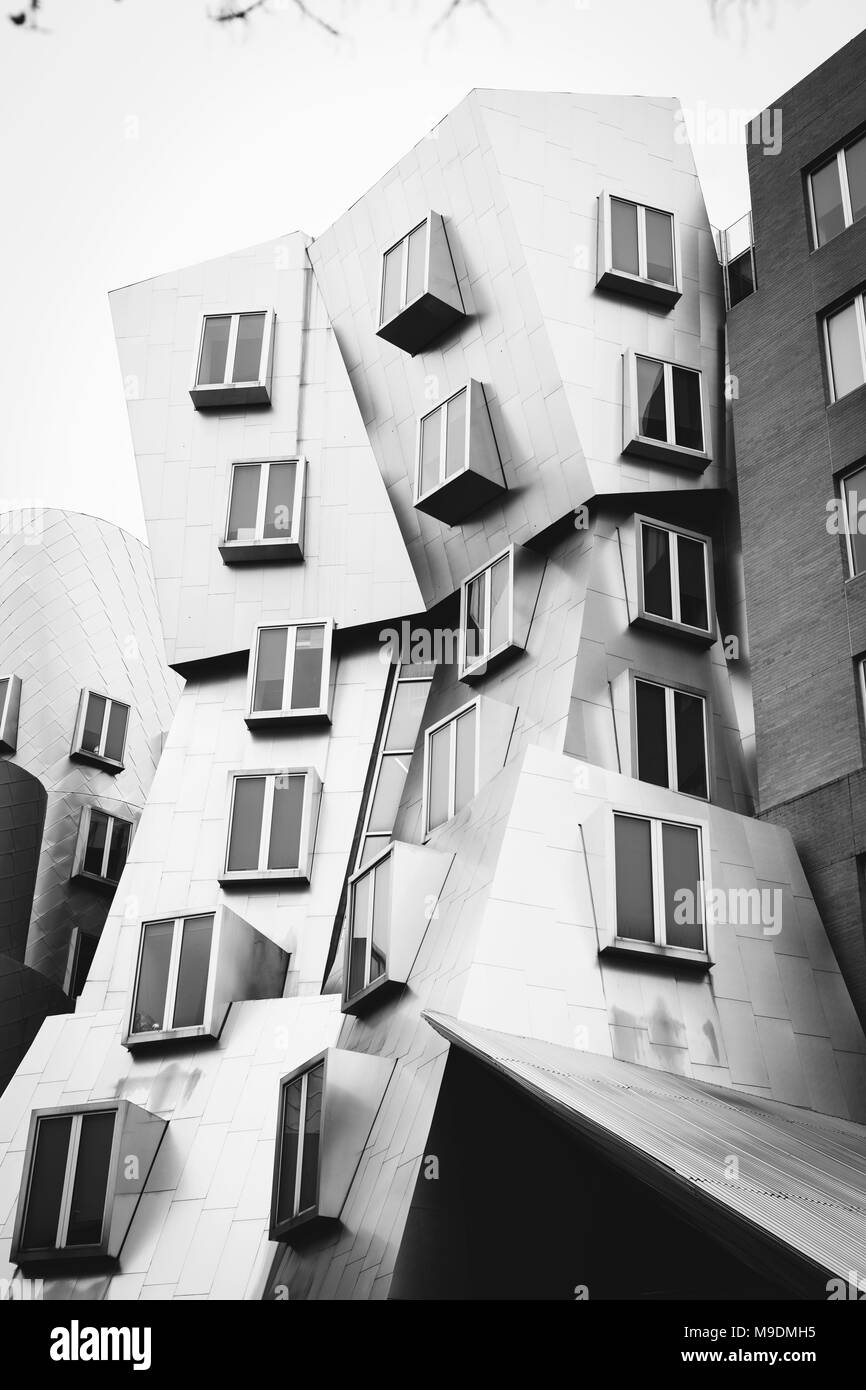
(845, 345)
(290, 673)
(272, 824)
(100, 731)
(486, 615)
(638, 250)
(659, 885)
(837, 192)
(450, 766)
(675, 588)
(103, 846)
(671, 738)
(265, 518)
(664, 411)
(419, 297)
(234, 359)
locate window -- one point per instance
(290, 672)
(103, 846)
(853, 492)
(265, 511)
(272, 825)
(419, 297)
(443, 442)
(407, 701)
(233, 360)
(298, 1137)
(369, 925)
(83, 949)
(664, 412)
(659, 882)
(68, 1181)
(638, 250)
(10, 703)
(486, 603)
(845, 342)
(100, 731)
(671, 738)
(450, 766)
(674, 578)
(172, 975)
(457, 467)
(837, 192)
(404, 273)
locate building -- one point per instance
(798, 354)
(449, 884)
(80, 648)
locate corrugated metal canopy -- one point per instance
(802, 1175)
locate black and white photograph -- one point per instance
(432, 673)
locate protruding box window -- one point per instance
(458, 469)
(659, 889)
(845, 345)
(496, 607)
(10, 704)
(79, 1189)
(100, 731)
(671, 738)
(675, 580)
(234, 359)
(191, 968)
(102, 847)
(265, 520)
(837, 192)
(290, 673)
(450, 766)
(638, 250)
(419, 296)
(665, 414)
(272, 826)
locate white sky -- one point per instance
(139, 136)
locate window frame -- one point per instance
(483, 662)
(676, 624)
(350, 1001)
(9, 711)
(666, 450)
(85, 821)
(227, 392)
(444, 477)
(320, 712)
(403, 242)
(260, 548)
(644, 286)
(839, 157)
(278, 1230)
(853, 572)
(429, 733)
(165, 1034)
(382, 753)
(670, 733)
(307, 834)
(859, 302)
(659, 948)
(80, 754)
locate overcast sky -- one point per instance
(139, 136)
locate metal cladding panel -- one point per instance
(802, 1178)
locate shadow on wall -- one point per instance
(26, 1000)
(23, 802)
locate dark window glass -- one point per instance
(855, 158)
(312, 1132)
(693, 582)
(691, 749)
(623, 236)
(85, 950)
(389, 790)
(118, 850)
(651, 399)
(212, 368)
(392, 284)
(280, 503)
(270, 669)
(687, 409)
(46, 1183)
(192, 972)
(307, 675)
(741, 277)
(657, 572)
(360, 933)
(406, 715)
(476, 636)
(682, 862)
(439, 774)
(827, 198)
(634, 879)
(249, 800)
(455, 435)
(431, 440)
(291, 1128)
(91, 734)
(855, 507)
(416, 269)
(116, 735)
(652, 750)
(148, 1015)
(87, 1208)
(248, 349)
(381, 918)
(97, 833)
(660, 246)
(284, 851)
(464, 780)
(245, 502)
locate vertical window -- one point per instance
(172, 975)
(84, 949)
(232, 349)
(406, 705)
(669, 404)
(404, 273)
(443, 443)
(263, 501)
(106, 845)
(102, 725)
(642, 241)
(451, 766)
(659, 882)
(845, 338)
(486, 620)
(853, 490)
(292, 669)
(838, 192)
(68, 1181)
(675, 572)
(269, 824)
(299, 1134)
(671, 738)
(369, 920)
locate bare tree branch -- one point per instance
(228, 12)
